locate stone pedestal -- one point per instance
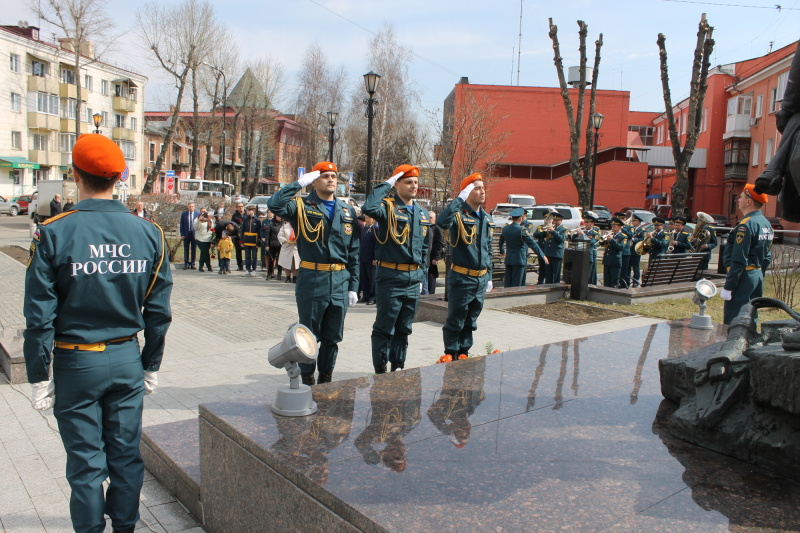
(12, 362)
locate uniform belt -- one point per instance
(399, 266)
(469, 272)
(96, 347)
(752, 267)
(322, 266)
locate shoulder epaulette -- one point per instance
(745, 219)
(57, 217)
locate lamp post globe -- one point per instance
(98, 119)
(597, 122)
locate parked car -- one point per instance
(261, 205)
(500, 213)
(239, 198)
(777, 229)
(23, 202)
(8, 207)
(522, 200)
(572, 215)
(646, 216)
(603, 216)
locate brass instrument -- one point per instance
(606, 237)
(643, 247)
(547, 223)
(701, 235)
(673, 236)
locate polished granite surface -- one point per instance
(561, 437)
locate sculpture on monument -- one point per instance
(739, 397)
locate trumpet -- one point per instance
(606, 237)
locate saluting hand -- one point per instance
(466, 192)
(308, 178)
(391, 181)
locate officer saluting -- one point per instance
(402, 247)
(328, 240)
(470, 275)
(97, 276)
(518, 239)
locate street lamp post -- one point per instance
(371, 83)
(98, 119)
(221, 155)
(597, 121)
(332, 116)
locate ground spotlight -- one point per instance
(299, 345)
(704, 290)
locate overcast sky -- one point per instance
(479, 38)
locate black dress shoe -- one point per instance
(201, 269)
(126, 530)
(380, 369)
(397, 366)
(288, 279)
(308, 379)
(324, 378)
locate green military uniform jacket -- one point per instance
(470, 235)
(518, 239)
(659, 243)
(320, 239)
(683, 245)
(403, 233)
(96, 274)
(628, 231)
(613, 253)
(638, 236)
(553, 243)
(750, 245)
(594, 237)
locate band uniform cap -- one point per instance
(749, 189)
(98, 155)
(590, 215)
(620, 215)
(469, 179)
(637, 217)
(516, 212)
(682, 220)
(324, 166)
(616, 220)
(409, 171)
(658, 220)
(557, 215)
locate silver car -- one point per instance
(261, 205)
(9, 207)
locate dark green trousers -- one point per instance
(751, 285)
(99, 412)
(397, 297)
(610, 275)
(321, 306)
(552, 271)
(514, 276)
(464, 305)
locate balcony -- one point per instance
(67, 90)
(40, 84)
(40, 121)
(737, 126)
(43, 157)
(68, 126)
(123, 134)
(125, 105)
(736, 172)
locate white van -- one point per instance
(522, 200)
(572, 215)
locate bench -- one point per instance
(672, 268)
(499, 265)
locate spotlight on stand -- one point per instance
(298, 346)
(703, 291)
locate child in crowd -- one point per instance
(224, 247)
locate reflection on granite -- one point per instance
(505, 446)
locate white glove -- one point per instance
(150, 381)
(465, 193)
(43, 395)
(489, 286)
(420, 288)
(391, 181)
(725, 294)
(352, 297)
(308, 178)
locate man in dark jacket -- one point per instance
(436, 252)
(367, 260)
(249, 235)
(55, 206)
(238, 218)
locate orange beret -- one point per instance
(98, 155)
(324, 166)
(749, 189)
(409, 171)
(469, 179)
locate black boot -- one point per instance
(380, 369)
(294, 279)
(324, 378)
(279, 277)
(769, 182)
(288, 279)
(397, 366)
(791, 341)
(126, 530)
(308, 379)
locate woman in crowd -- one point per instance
(289, 258)
(204, 234)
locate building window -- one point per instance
(16, 140)
(783, 80)
(39, 142)
(132, 93)
(104, 87)
(768, 152)
(16, 102)
(67, 76)
(744, 105)
(40, 68)
(66, 141)
(759, 106)
(69, 108)
(88, 82)
(133, 123)
(104, 114)
(270, 171)
(773, 99)
(120, 90)
(15, 62)
(40, 174)
(152, 152)
(756, 150)
(737, 152)
(128, 149)
(86, 115)
(47, 103)
(645, 133)
(704, 121)
(119, 120)
(227, 152)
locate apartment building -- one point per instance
(38, 109)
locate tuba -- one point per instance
(643, 247)
(701, 234)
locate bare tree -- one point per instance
(86, 29)
(223, 63)
(179, 37)
(697, 92)
(581, 174)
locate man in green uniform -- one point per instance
(750, 254)
(97, 276)
(593, 234)
(659, 239)
(624, 280)
(612, 257)
(328, 239)
(638, 235)
(470, 275)
(518, 239)
(680, 237)
(401, 251)
(554, 239)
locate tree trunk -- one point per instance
(195, 116)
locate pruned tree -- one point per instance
(179, 37)
(581, 173)
(697, 92)
(86, 30)
(223, 64)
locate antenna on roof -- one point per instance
(519, 48)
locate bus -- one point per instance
(189, 188)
